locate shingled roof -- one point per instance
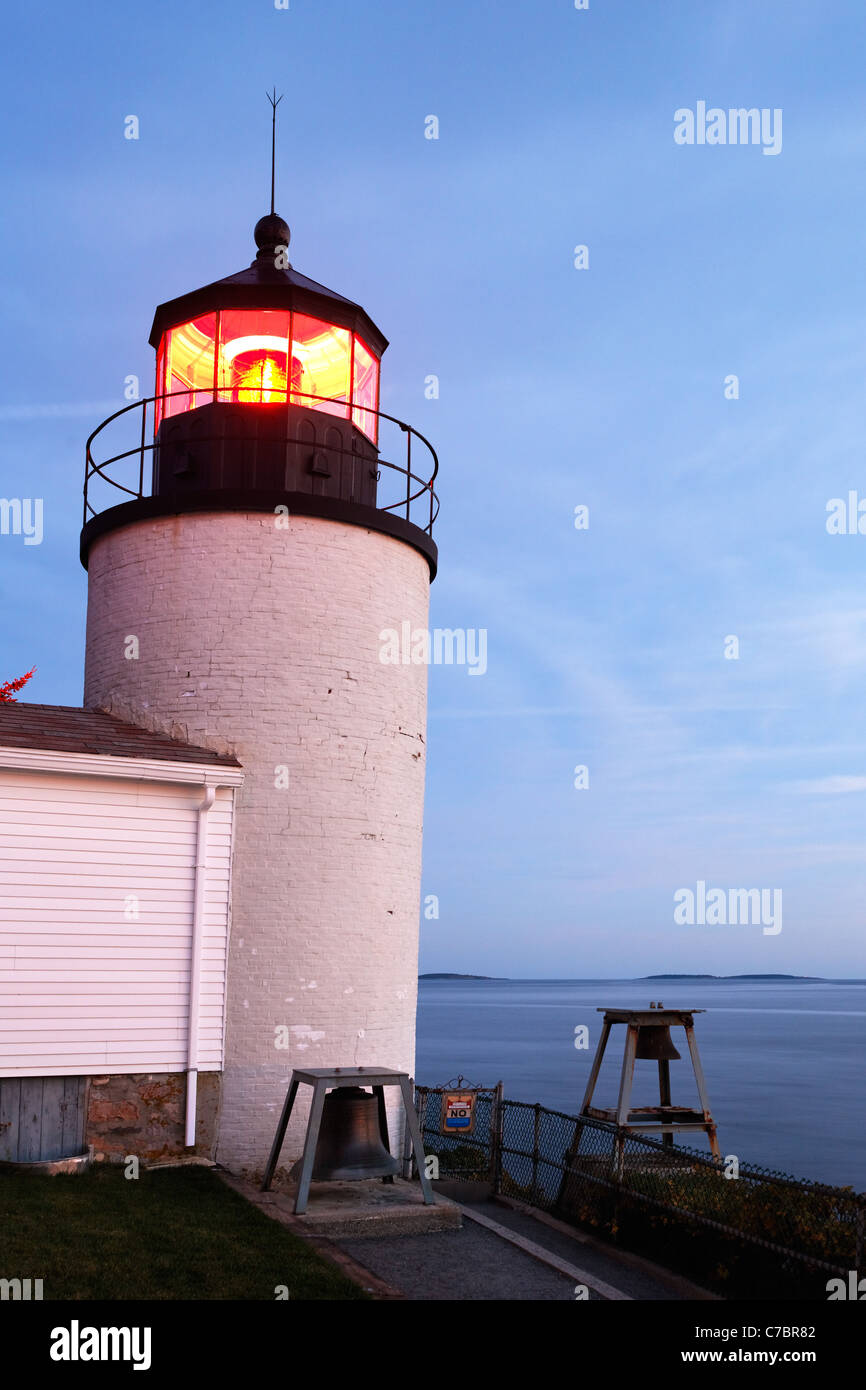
(65, 729)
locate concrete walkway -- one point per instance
(460, 1266)
(507, 1254)
(504, 1252)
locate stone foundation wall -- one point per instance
(144, 1115)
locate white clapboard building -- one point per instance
(115, 870)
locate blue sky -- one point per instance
(558, 387)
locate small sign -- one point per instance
(458, 1112)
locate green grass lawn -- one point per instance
(175, 1233)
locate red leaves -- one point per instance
(9, 690)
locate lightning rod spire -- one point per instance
(274, 101)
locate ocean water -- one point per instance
(785, 1062)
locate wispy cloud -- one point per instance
(61, 410)
(828, 786)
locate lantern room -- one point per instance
(268, 357)
(266, 380)
(267, 396)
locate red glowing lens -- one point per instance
(243, 355)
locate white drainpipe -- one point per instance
(195, 965)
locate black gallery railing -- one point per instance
(411, 492)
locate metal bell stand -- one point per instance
(665, 1118)
(323, 1079)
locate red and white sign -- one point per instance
(458, 1112)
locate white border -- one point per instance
(106, 765)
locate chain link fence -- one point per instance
(738, 1229)
(743, 1230)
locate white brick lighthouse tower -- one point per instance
(236, 601)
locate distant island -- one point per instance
(731, 977)
(454, 975)
(447, 975)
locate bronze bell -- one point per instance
(655, 1044)
(350, 1146)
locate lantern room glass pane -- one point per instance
(321, 355)
(365, 390)
(253, 356)
(189, 364)
(159, 404)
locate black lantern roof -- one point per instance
(264, 285)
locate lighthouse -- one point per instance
(250, 533)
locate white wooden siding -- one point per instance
(82, 990)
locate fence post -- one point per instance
(617, 1175)
(497, 1138)
(536, 1131)
(619, 1154)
